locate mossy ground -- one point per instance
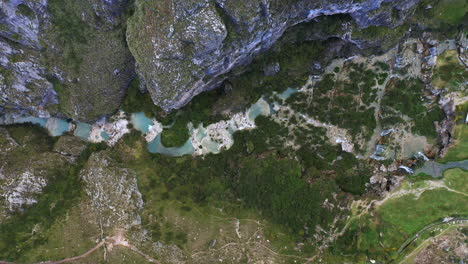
(92, 57)
(387, 36)
(449, 74)
(456, 179)
(256, 171)
(69, 235)
(404, 99)
(444, 14)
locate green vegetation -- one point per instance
(459, 150)
(449, 74)
(379, 234)
(176, 136)
(231, 27)
(31, 135)
(387, 36)
(62, 92)
(454, 232)
(425, 125)
(451, 11)
(294, 60)
(431, 206)
(67, 236)
(71, 31)
(135, 101)
(277, 189)
(419, 177)
(345, 104)
(461, 111)
(443, 13)
(353, 175)
(91, 55)
(7, 76)
(405, 97)
(198, 111)
(456, 179)
(258, 177)
(379, 32)
(382, 66)
(443, 18)
(257, 169)
(25, 10)
(63, 191)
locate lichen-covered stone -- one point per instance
(185, 47)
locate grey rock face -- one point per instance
(23, 84)
(19, 22)
(63, 58)
(22, 77)
(70, 58)
(185, 47)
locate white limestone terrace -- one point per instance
(218, 136)
(211, 139)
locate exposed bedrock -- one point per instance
(63, 58)
(183, 48)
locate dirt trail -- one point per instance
(108, 242)
(119, 240)
(89, 252)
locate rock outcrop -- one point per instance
(27, 166)
(113, 192)
(63, 58)
(184, 47)
(71, 59)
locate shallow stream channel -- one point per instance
(203, 140)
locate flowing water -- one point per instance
(156, 146)
(82, 130)
(436, 169)
(142, 123)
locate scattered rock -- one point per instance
(113, 192)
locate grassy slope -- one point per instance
(457, 179)
(459, 150)
(401, 217)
